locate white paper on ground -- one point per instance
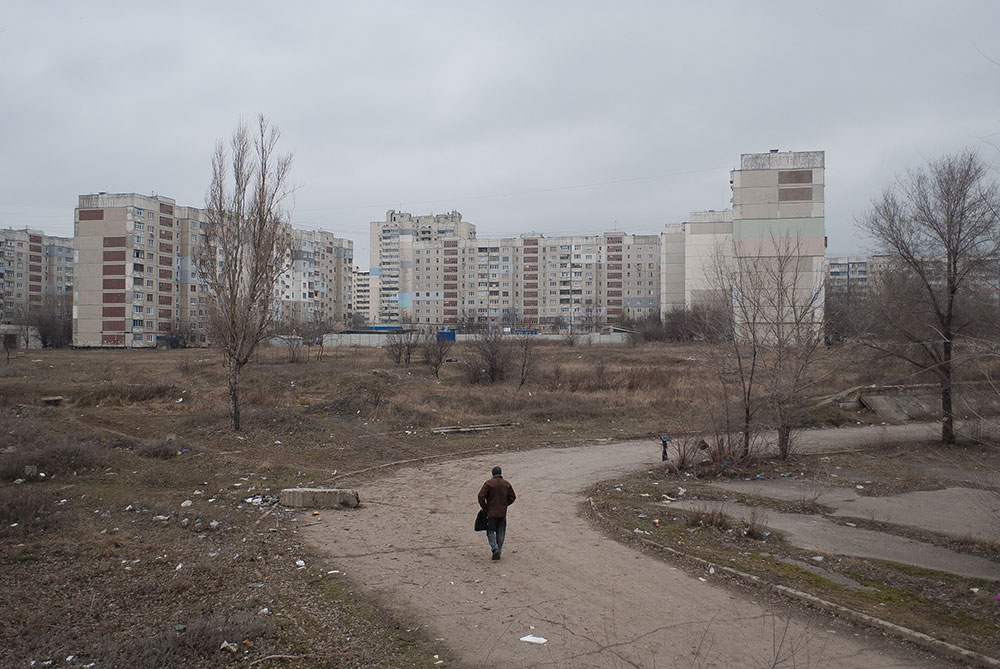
(531, 638)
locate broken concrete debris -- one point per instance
(320, 498)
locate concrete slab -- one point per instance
(958, 512)
(816, 533)
(320, 498)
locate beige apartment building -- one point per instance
(779, 211)
(391, 253)
(361, 302)
(33, 265)
(135, 281)
(316, 287)
(690, 252)
(532, 281)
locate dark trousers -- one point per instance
(496, 528)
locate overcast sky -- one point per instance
(553, 117)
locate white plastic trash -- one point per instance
(531, 638)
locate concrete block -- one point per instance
(320, 498)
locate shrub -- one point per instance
(56, 456)
(713, 516)
(25, 508)
(115, 393)
(163, 449)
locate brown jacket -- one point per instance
(495, 496)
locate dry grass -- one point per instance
(351, 410)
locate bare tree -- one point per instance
(357, 320)
(246, 246)
(436, 349)
(489, 356)
(53, 317)
(590, 318)
(400, 344)
(21, 317)
(941, 225)
(525, 352)
(772, 335)
(510, 318)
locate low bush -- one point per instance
(60, 455)
(713, 516)
(163, 449)
(116, 393)
(25, 508)
(200, 640)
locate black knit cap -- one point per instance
(496, 471)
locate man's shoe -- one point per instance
(496, 555)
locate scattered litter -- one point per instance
(179, 566)
(701, 579)
(656, 522)
(187, 502)
(180, 628)
(214, 524)
(278, 442)
(18, 481)
(711, 570)
(681, 491)
(264, 611)
(231, 647)
(975, 591)
(300, 564)
(180, 399)
(70, 658)
(860, 487)
(315, 513)
(161, 517)
(639, 531)
(333, 571)
(817, 558)
(850, 524)
(642, 515)
(531, 638)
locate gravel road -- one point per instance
(597, 602)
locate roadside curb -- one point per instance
(926, 641)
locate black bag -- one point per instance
(481, 520)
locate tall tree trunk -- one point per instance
(233, 377)
(784, 440)
(746, 428)
(947, 412)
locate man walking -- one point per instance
(495, 496)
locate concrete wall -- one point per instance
(379, 340)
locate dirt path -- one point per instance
(599, 603)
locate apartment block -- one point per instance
(131, 260)
(361, 291)
(778, 210)
(690, 253)
(316, 287)
(391, 247)
(847, 275)
(136, 284)
(33, 265)
(533, 281)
